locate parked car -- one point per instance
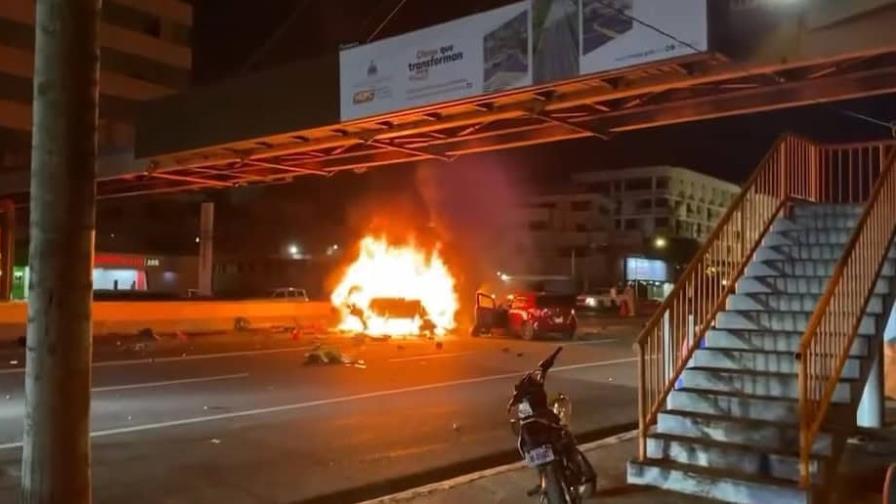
(528, 315)
(289, 293)
(600, 299)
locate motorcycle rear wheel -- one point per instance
(553, 488)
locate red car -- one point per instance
(528, 315)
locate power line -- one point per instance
(383, 24)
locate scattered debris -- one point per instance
(241, 324)
(506, 349)
(519, 354)
(399, 347)
(215, 441)
(455, 426)
(14, 362)
(360, 364)
(325, 356)
(439, 345)
(182, 336)
(129, 418)
(610, 379)
(147, 334)
(295, 334)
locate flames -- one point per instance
(396, 290)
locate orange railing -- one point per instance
(825, 346)
(793, 169)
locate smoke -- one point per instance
(474, 203)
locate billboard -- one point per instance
(518, 45)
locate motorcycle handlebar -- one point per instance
(548, 363)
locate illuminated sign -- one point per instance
(646, 270)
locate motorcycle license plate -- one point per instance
(539, 456)
(524, 410)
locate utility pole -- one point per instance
(56, 454)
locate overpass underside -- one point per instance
(833, 54)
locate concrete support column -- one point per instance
(871, 408)
(206, 247)
(7, 248)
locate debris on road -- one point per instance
(215, 441)
(439, 345)
(329, 356)
(13, 362)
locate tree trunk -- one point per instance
(56, 458)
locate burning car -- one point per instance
(396, 290)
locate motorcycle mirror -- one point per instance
(549, 362)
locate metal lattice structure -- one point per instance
(685, 89)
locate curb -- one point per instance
(469, 478)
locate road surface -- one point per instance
(244, 421)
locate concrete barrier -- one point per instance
(189, 316)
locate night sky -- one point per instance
(235, 37)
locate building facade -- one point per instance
(145, 53)
(588, 231)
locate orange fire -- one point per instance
(396, 290)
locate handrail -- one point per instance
(833, 327)
(794, 169)
(676, 329)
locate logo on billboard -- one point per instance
(363, 96)
(372, 69)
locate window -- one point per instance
(620, 224)
(538, 225)
(580, 206)
(662, 222)
(644, 204)
(663, 203)
(601, 187)
(662, 182)
(639, 184)
(548, 205)
(581, 227)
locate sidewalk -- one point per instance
(508, 484)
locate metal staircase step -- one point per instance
(779, 321)
(758, 433)
(800, 252)
(804, 268)
(764, 383)
(773, 341)
(781, 463)
(795, 285)
(708, 482)
(808, 237)
(823, 221)
(733, 405)
(761, 361)
(819, 209)
(789, 302)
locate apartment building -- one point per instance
(665, 201)
(588, 230)
(146, 53)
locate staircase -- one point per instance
(748, 384)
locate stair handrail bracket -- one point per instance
(837, 319)
(675, 331)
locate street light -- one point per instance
(660, 242)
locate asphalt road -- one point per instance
(243, 420)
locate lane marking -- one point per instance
(429, 356)
(324, 402)
(169, 382)
(154, 360)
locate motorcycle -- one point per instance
(546, 441)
